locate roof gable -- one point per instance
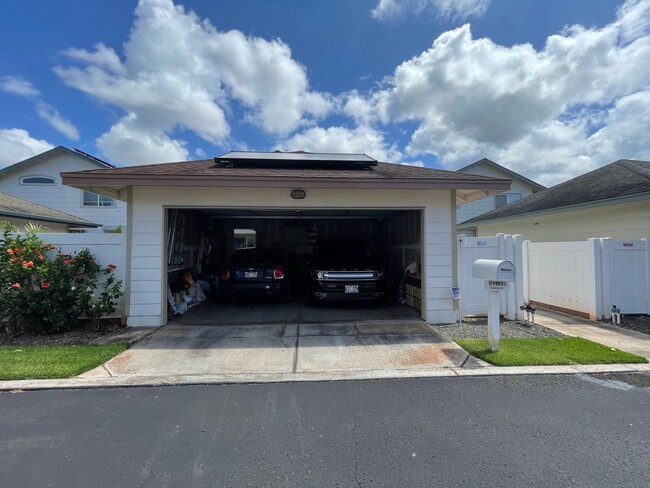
(622, 178)
(52, 152)
(485, 162)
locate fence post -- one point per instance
(606, 277)
(647, 273)
(460, 243)
(510, 312)
(525, 266)
(518, 291)
(596, 305)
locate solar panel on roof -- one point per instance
(295, 159)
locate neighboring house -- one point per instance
(191, 211)
(19, 212)
(38, 180)
(612, 201)
(521, 188)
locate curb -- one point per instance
(81, 382)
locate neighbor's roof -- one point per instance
(11, 206)
(503, 169)
(281, 172)
(52, 152)
(623, 178)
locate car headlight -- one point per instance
(320, 275)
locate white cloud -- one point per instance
(52, 116)
(389, 10)
(23, 88)
(535, 110)
(128, 143)
(341, 139)
(17, 85)
(180, 72)
(17, 144)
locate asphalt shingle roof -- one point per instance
(12, 206)
(622, 178)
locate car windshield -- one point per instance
(342, 253)
(256, 256)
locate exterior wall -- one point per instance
(51, 226)
(58, 196)
(146, 300)
(477, 207)
(620, 221)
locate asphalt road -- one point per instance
(496, 431)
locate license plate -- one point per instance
(250, 274)
(351, 288)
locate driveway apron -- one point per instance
(285, 348)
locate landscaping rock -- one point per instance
(476, 328)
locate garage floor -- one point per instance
(286, 348)
(256, 311)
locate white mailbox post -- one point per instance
(496, 275)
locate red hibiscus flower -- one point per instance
(112, 266)
(67, 261)
(10, 251)
(45, 285)
(28, 264)
(16, 285)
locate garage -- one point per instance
(202, 242)
(196, 214)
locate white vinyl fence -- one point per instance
(585, 278)
(588, 277)
(503, 246)
(108, 249)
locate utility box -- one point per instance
(493, 269)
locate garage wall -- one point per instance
(147, 306)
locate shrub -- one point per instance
(45, 290)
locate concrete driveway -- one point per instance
(287, 349)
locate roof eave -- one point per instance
(77, 180)
(27, 216)
(567, 208)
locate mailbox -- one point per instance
(493, 269)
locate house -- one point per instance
(521, 188)
(612, 201)
(20, 212)
(189, 213)
(37, 179)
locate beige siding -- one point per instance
(147, 299)
(621, 221)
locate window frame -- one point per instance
(51, 182)
(99, 197)
(506, 195)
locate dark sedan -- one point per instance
(344, 269)
(255, 272)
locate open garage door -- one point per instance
(208, 247)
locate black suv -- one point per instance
(344, 269)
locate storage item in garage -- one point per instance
(413, 291)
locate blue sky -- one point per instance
(550, 89)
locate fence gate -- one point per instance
(626, 276)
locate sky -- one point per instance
(547, 88)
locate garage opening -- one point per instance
(275, 255)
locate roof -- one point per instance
(295, 158)
(487, 162)
(209, 173)
(12, 206)
(51, 152)
(622, 179)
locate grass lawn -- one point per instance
(47, 362)
(544, 351)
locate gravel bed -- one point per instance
(639, 323)
(85, 334)
(476, 328)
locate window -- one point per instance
(505, 198)
(94, 200)
(37, 180)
